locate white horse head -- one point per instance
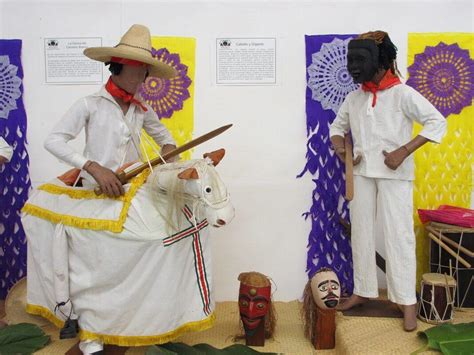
(195, 183)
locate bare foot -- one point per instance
(409, 317)
(352, 301)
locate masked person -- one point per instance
(6, 152)
(380, 118)
(113, 117)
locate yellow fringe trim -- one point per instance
(75, 193)
(45, 313)
(123, 340)
(115, 226)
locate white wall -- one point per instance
(266, 147)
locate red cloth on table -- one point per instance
(458, 216)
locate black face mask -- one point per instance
(362, 60)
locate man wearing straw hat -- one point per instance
(113, 117)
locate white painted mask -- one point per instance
(326, 289)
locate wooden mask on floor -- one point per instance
(320, 298)
(326, 289)
(255, 306)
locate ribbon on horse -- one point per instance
(199, 262)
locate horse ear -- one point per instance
(189, 174)
(216, 156)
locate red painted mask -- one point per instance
(253, 304)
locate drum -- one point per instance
(436, 298)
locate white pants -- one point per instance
(61, 284)
(390, 202)
(61, 271)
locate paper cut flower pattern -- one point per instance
(444, 74)
(9, 86)
(329, 79)
(166, 96)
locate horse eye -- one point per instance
(208, 189)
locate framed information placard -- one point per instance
(65, 62)
(246, 61)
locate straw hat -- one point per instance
(15, 306)
(136, 45)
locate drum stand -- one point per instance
(452, 253)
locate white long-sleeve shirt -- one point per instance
(110, 135)
(5, 150)
(387, 126)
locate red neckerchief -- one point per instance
(115, 91)
(388, 80)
